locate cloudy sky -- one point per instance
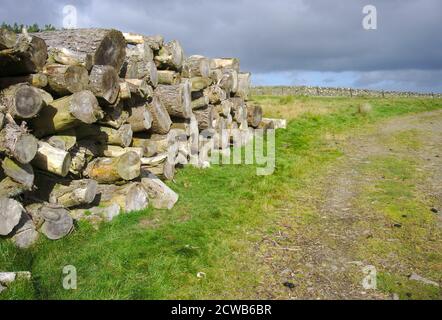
(283, 42)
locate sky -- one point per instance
(282, 42)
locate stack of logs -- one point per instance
(93, 121)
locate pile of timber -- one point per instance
(93, 121)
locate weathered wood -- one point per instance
(10, 188)
(19, 172)
(65, 141)
(201, 102)
(125, 93)
(176, 99)
(130, 197)
(65, 80)
(205, 117)
(70, 57)
(160, 195)
(224, 108)
(16, 142)
(170, 55)
(254, 115)
(28, 55)
(11, 212)
(53, 220)
(199, 83)
(165, 170)
(155, 42)
(196, 66)
(140, 88)
(140, 69)
(106, 47)
(161, 121)
(21, 101)
(140, 118)
(66, 113)
(110, 170)
(216, 75)
(25, 234)
(225, 63)
(52, 159)
(104, 83)
(115, 116)
(119, 137)
(7, 39)
(215, 94)
(140, 52)
(38, 80)
(148, 147)
(74, 193)
(244, 81)
(275, 123)
(97, 214)
(115, 151)
(168, 77)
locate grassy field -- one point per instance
(222, 213)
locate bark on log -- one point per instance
(70, 57)
(25, 234)
(199, 83)
(200, 102)
(11, 212)
(176, 99)
(52, 159)
(155, 42)
(254, 115)
(115, 151)
(27, 56)
(224, 108)
(121, 137)
(140, 69)
(124, 93)
(104, 83)
(21, 101)
(216, 75)
(140, 88)
(65, 80)
(243, 85)
(53, 220)
(196, 66)
(165, 170)
(161, 121)
(216, 94)
(10, 188)
(160, 195)
(130, 197)
(115, 116)
(205, 117)
(66, 113)
(140, 52)
(75, 193)
(168, 77)
(21, 173)
(148, 147)
(225, 63)
(38, 80)
(106, 47)
(170, 56)
(276, 123)
(17, 143)
(7, 39)
(110, 170)
(140, 118)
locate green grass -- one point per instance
(157, 254)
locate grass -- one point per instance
(157, 254)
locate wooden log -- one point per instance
(52, 159)
(196, 66)
(105, 47)
(201, 102)
(155, 42)
(168, 77)
(205, 117)
(74, 193)
(16, 142)
(104, 83)
(114, 116)
(215, 94)
(130, 197)
(193, 136)
(115, 151)
(64, 80)
(199, 83)
(25, 234)
(19, 172)
(11, 212)
(10, 188)
(21, 101)
(7, 39)
(28, 55)
(140, 88)
(148, 147)
(274, 123)
(165, 170)
(97, 214)
(140, 118)
(81, 155)
(46, 96)
(161, 121)
(140, 52)
(170, 56)
(110, 170)
(244, 82)
(216, 75)
(176, 99)
(160, 195)
(66, 113)
(254, 115)
(70, 57)
(125, 93)
(225, 63)
(53, 220)
(38, 80)
(119, 137)
(140, 69)
(224, 108)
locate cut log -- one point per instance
(106, 47)
(66, 113)
(38, 80)
(104, 83)
(53, 220)
(161, 121)
(165, 170)
(176, 99)
(200, 102)
(10, 188)
(140, 118)
(70, 57)
(216, 75)
(28, 55)
(170, 56)
(121, 137)
(244, 80)
(52, 159)
(110, 170)
(225, 63)
(65, 142)
(160, 195)
(95, 214)
(25, 234)
(17, 143)
(21, 101)
(254, 115)
(148, 147)
(196, 66)
(206, 117)
(155, 42)
(65, 80)
(275, 123)
(215, 94)
(115, 116)
(115, 151)
(7, 39)
(193, 136)
(75, 193)
(168, 77)
(140, 52)
(130, 197)
(125, 93)
(21, 173)
(199, 83)
(224, 108)
(11, 212)
(140, 88)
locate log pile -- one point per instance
(93, 121)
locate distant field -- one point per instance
(227, 222)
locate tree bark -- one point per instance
(65, 80)
(165, 170)
(38, 80)
(225, 63)
(66, 113)
(104, 83)
(224, 108)
(105, 47)
(140, 88)
(161, 121)
(205, 117)
(52, 159)
(125, 93)
(17, 143)
(7, 39)
(74, 193)
(254, 115)
(21, 101)
(130, 197)
(176, 99)
(70, 57)
(10, 188)
(148, 146)
(140, 118)
(199, 83)
(110, 170)
(115, 151)
(170, 56)
(11, 212)
(196, 66)
(155, 42)
(19, 172)
(53, 220)
(114, 117)
(121, 137)
(25, 234)
(27, 56)
(160, 195)
(216, 94)
(201, 102)
(168, 77)
(243, 85)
